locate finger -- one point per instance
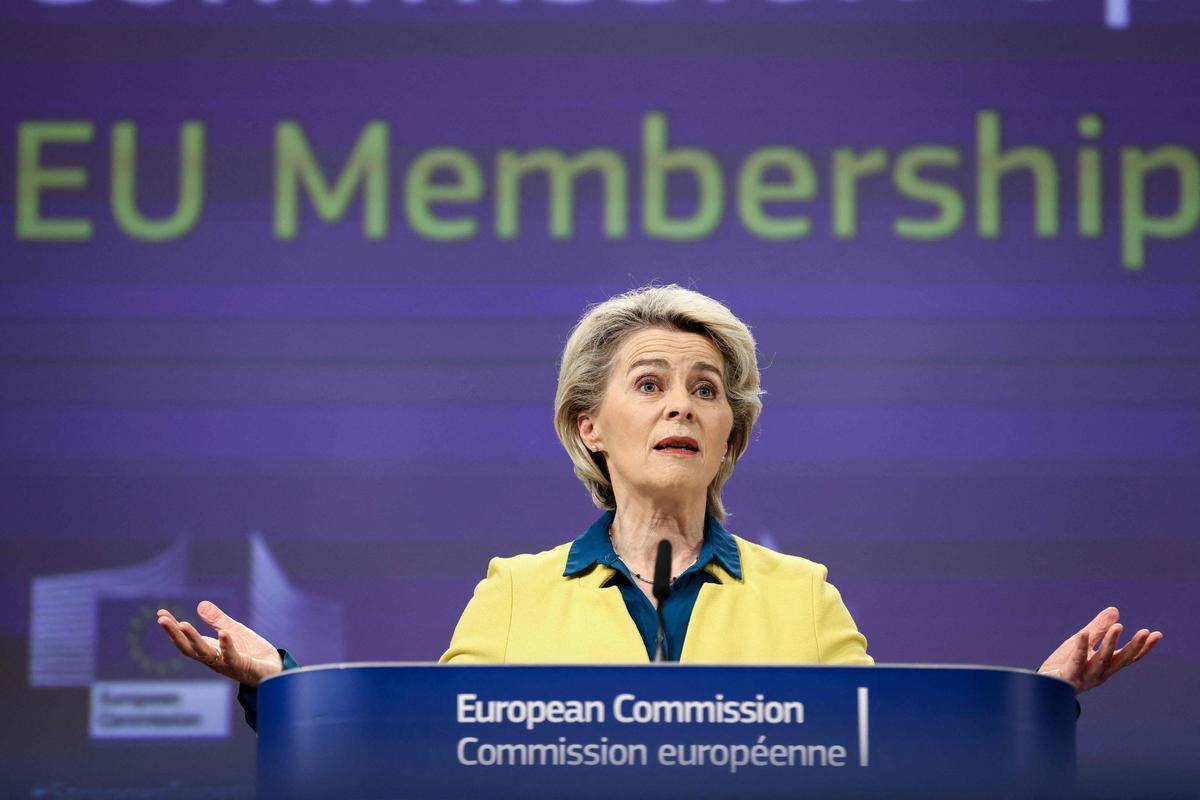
(213, 615)
(1151, 640)
(180, 641)
(204, 651)
(1097, 668)
(1100, 624)
(1127, 654)
(1078, 658)
(1069, 665)
(232, 659)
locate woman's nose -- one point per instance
(679, 404)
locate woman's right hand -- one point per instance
(237, 652)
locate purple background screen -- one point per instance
(986, 437)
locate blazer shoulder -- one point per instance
(535, 566)
(761, 561)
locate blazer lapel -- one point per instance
(609, 630)
(713, 628)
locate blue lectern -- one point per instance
(663, 731)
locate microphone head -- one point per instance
(662, 571)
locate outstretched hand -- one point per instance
(1091, 657)
(237, 652)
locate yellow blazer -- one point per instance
(782, 611)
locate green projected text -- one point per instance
(672, 190)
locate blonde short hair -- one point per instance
(587, 361)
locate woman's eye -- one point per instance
(646, 387)
(706, 392)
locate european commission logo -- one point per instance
(1117, 14)
(97, 629)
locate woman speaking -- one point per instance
(658, 391)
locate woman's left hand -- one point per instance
(1091, 657)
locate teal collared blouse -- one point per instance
(594, 546)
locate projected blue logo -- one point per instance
(98, 629)
(131, 646)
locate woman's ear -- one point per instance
(588, 432)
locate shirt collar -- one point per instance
(594, 546)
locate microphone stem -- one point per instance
(660, 652)
(662, 590)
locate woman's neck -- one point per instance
(638, 527)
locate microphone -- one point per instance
(662, 590)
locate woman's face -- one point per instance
(665, 420)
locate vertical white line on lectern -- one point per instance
(863, 755)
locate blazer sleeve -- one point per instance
(481, 636)
(247, 696)
(838, 639)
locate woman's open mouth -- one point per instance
(678, 445)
